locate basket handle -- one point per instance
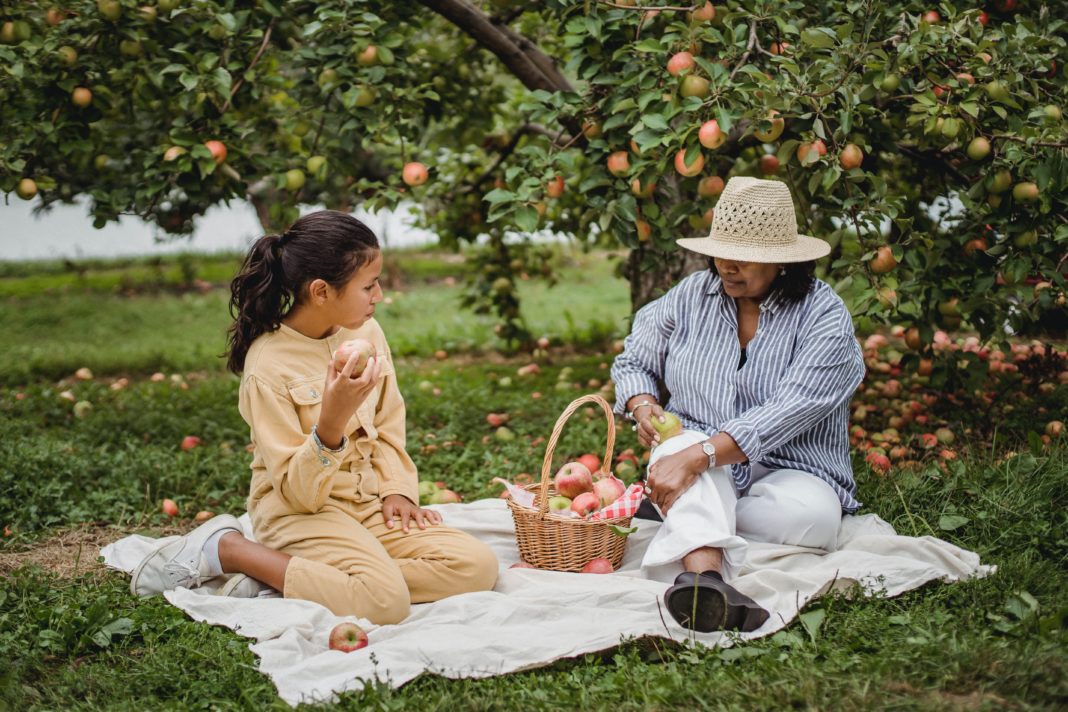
(547, 462)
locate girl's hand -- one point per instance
(343, 394)
(672, 475)
(397, 506)
(647, 434)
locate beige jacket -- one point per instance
(280, 398)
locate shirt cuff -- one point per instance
(747, 437)
(629, 385)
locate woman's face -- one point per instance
(354, 303)
(747, 280)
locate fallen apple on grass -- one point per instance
(347, 637)
(591, 461)
(170, 508)
(190, 441)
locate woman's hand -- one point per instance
(397, 506)
(647, 434)
(342, 395)
(672, 475)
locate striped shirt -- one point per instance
(787, 407)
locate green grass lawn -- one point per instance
(74, 638)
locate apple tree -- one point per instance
(925, 141)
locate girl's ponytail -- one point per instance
(327, 245)
(258, 298)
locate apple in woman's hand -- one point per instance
(668, 426)
(363, 347)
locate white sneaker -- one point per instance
(243, 586)
(180, 563)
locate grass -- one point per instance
(76, 639)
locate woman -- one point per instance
(760, 360)
(334, 495)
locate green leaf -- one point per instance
(951, 522)
(622, 531)
(819, 37)
(498, 195)
(526, 218)
(811, 622)
(655, 121)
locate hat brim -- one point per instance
(804, 250)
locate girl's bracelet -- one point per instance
(630, 414)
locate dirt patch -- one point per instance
(942, 699)
(71, 552)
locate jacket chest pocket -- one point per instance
(307, 395)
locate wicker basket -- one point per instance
(556, 543)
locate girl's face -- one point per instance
(747, 280)
(354, 304)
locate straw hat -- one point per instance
(754, 221)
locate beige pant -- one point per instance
(345, 558)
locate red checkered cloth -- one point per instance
(625, 506)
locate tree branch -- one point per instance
(259, 53)
(646, 8)
(748, 48)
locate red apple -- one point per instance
(688, 169)
(573, 479)
(585, 504)
(931, 17)
(444, 496)
(879, 462)
(347, 637)
(170, 508)
(496, 420)
(642, 191)
(190, 441)
(644, 229)
(710, 186)
(619, 164)
(984, 18)
(218, 150)
(811, 152)
(1055, 428)
(608, 489)
(414, 173)
(598, 566)
(769, 164)
(851, 156)
(172, 153)
(710, 135)
(591, 461)
(778, 124)
(679, 63)
(81, 97)
(203, 516)
(367, 57)
(705, 13)
(555, 187)
(362, 348)
(883, 261)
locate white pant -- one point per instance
(781, 507)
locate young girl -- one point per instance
(333, 495)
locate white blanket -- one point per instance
(533, 617)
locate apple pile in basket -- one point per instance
(582, 493)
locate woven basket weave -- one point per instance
(556, 543)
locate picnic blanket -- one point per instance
(534, 617)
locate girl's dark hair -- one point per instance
(793, 285)
(327, 245)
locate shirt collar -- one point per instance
(771, 304)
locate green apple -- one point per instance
(1025, 192)
(978, 149)
(426, 491)
(693, 85)
(999, 182)
(110, 9)
(67, 55)
(559, 503)
(667, 426)
(316, 164)
(997, 90)
(294, 179)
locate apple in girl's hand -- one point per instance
(585, 504)
(591, 461)
(598, 566)
(668, 426)
(559, 503)
(363, 347)
(608, 490)
(347, 637)
(573, 479)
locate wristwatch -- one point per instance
(709, 449)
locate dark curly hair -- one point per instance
(327, 245)
(793, 285)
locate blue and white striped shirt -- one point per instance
(787, 407)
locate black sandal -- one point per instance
(704, 602)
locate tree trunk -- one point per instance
(651, 272)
